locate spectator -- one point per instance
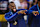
(3, 6)
(23, 4)
(17, 3)
(35, 2)
(30, 3)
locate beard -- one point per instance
(13, 11)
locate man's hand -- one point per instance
(35, 13)
(22, 12)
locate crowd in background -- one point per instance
(20, 4)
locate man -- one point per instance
(23, 4)
(16, 19)
(16, 16)
(35, 19)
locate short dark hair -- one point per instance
(10, 2)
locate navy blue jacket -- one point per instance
(35, 19)
(10, 17)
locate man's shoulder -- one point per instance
(34, 7)
(8, 13)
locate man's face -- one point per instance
(12, 6)
(39, 3)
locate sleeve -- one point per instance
(30, 10)
(30, 16)
(9, 17)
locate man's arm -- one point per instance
(9, 17)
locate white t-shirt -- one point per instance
(17, 3)
(23, 5)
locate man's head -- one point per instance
(12, 6)
(39, 3)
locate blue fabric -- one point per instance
(27, 0)
(38, 9)
(21, 22)
(10, 15)
(36, 19)
(11, 25)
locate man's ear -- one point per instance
(9, 6)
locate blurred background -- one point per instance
(20, 4)
(3, 10)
